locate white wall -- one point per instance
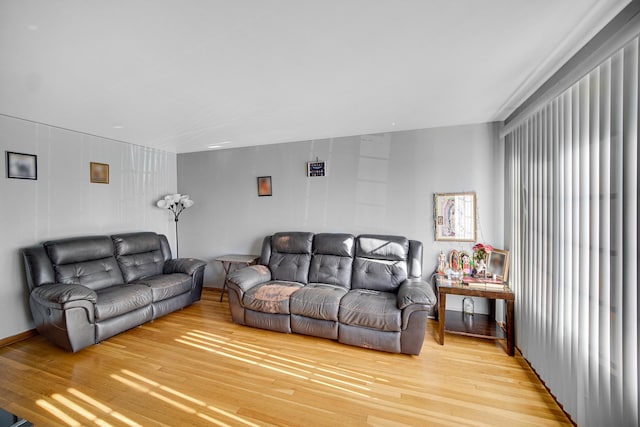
(63, 203)
(380, 183)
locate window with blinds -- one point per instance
(572, 191)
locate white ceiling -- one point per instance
(183, 75)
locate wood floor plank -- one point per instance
(196, 367)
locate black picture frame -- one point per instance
(316, 168)
(22, 165)
(264, 186)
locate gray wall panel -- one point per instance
(63, 203)
(381, 183)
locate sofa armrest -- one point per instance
(183, 265)
(59, 293)
(416, 291)
(248, 277)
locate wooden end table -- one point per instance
(237, 260)
(475, 325)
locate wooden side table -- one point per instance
(237, 260)
(476, 325)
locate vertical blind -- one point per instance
(572, 193)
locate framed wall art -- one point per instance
(264, 186)
(22, 166)
(316, 168)
(99, 173)
(498, 264)
(455, 216)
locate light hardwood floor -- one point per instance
(195, 367)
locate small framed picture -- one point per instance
(316, 168)
(22, 166)
(99, 173)
(498, 264)
(264, 186)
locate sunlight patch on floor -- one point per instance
(79, 409)
(304, 369)
(177, 398)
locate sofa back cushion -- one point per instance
(139, 255)
(380, 263)
(332, 259)
(87, 261)
(290, 256)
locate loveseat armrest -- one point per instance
(416, 291)
(248, 277)
(183, 265)
(60, 294)
(64, 314)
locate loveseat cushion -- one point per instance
(167, 285)
(120, 299)
(318, 301)
(78, 249)
(139, 255)
(86, 261)
(370, 309)
(270, 297)
(95, 274)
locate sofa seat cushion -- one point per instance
(370, 309)
(318, 301)
(167, 285)
(270, 297)
(120, 299)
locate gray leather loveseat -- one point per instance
(84, 290)
(364, 291)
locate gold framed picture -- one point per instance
(99, 173)
(455, 216)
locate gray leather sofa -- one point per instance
(364, 291)
(84, 290)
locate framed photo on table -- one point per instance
(455, 216)
(498, 264)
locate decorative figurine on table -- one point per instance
(442, 263)
(454, 260)
(480, 256)
(465, 261)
